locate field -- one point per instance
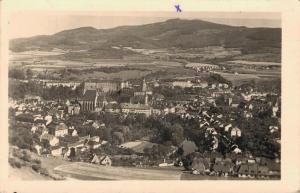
(247, 62)
(88, 171)
(137, 146)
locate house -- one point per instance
(74, 133)
(97, 124)
(38, 149)
(188, 147)
(273, 128)
(95, 159)
(198, 166)
(61, 130)
(247, 114)
(227, 127)
(248, 170)
(74, 109)
(204, 124)
(95, 139)
(235, 132)
(102, 160)
(105, 160)
(53, 141)
(237, 150)
(223, 167)
(262, 171)
(253, 168)
(57, 151)
(48, 119)
(166, 163)
(201, 165)
(34, 129)
(275, 110)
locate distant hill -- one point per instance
(171, 33)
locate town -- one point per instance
(202, 125)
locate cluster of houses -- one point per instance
(243, 166)
(201, 67)
(48, 121)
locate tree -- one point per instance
(16, 73)
(118, 138)
(29, 73)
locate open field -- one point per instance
(245, 62)
(116, 173)
(137, 146)
(247, 76)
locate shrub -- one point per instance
(36, 167)
(14, 163)
(44, 172)
(26, 157)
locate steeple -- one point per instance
(144, 89)
(146, 99)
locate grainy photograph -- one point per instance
(144, 96)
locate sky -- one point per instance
(27, 24)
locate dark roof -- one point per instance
(222, 166)
(89, 95)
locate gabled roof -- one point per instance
(61, 126)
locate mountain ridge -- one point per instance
(170, 33)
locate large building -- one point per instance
(145, 90)
(102, 86)
(182, 84)
(91, 101)
(135, 108)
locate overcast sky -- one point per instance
(27, 24)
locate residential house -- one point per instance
(57, 151)
(74, 109)
(61, 130)
(262, 171)
(248, 170)
(53, 141)
(48, 119)
(227, 127)
(235, 132)
(198, 166)
(223, 167)
(273, 128)
(95, 159)
(105, 160)
(74, 133)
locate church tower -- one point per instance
(144, 89)
(146, 99)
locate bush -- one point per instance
(36, 167)
(26, 157)
(14, 163)
(44, 172)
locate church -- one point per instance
(92, 100)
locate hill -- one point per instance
(173, 33)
